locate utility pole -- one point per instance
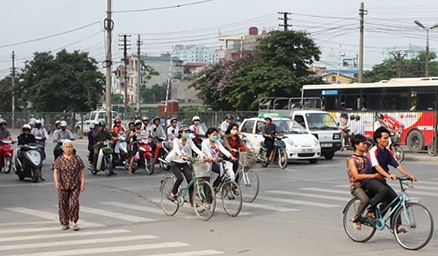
(109, 25)
(125, 46)
(13, 91)
(398, 57)
(362, 13)
(285, 25)
(139, 43)
(169, 81)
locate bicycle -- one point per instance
(247, 178)
(231, 194)
(204, 201)
(279, 153)
(414, 219)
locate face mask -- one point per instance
(233, 132)
(196, 122)
(213, 138)
(186, 135)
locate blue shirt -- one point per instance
(384, 158)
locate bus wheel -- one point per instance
(415, 140)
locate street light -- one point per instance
(427, 43)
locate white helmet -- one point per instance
(27, 126)
(38, 121)
(63, 123)
(196, 118)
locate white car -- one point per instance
(93, 116)
(300, 144)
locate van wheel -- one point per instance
(313, 161)
(329, 155)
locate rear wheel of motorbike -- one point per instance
(109, 167)
(399, 154)
(149, 165)
(282, 159)
(261, 157)
(35, 175)
(7, 162)
(430, 148)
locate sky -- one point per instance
(29, 26)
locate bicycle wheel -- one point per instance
(204, 200)
(249, 184)
(418, 224)
(282, 159)
(367, 229)
(231, 198)
(169, 207)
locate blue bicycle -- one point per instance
(412, 223)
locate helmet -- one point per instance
(26, 127)
(102, 123)
(184, 128)
(196, 118)
(32, 115)
(92, 124)
(136, 117)
(229, 116)
(174, 118)
(117, 120)
(145, 118)
(3, 121)
(268, 117)
(357, 117)
(38, 121)
(351, 117)
(380, 116)
(63, 123)
(137, 122)
(57, 122)
(344, 115)
(155, 118)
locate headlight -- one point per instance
(290, 141)
(336, 136)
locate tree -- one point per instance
(278, 67)
(6, 95)
(65, 82)
(154, 94)
(409, 68)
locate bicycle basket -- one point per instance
(247, 159)
(202, 169)
(107, 150)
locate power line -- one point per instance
(164, 7)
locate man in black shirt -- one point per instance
(24, 139)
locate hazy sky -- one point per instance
(29, 26)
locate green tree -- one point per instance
(154, 94)
(65, 82)
(6, 95)
(409, 68)
(278, 67)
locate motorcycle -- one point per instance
(144, 157)
(6, 154)
(279, 153)
(161, 152)
(104, 160)
(32, 162)
(395, 146)
(119, 159)
(41, 141)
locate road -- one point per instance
(298, 212)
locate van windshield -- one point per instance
(288, 126)
(321, 121)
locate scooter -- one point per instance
(6, 154)
(161, 152)
(104, 160)
(279, 153)
(40, 140)
(144, 157)
(119, 159)
(32, 162)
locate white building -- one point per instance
(195, 54)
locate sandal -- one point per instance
(76, 228)
(236, 192)
(357, 226)
(171, 196)
(401, 230)
(65, 227)
(371, 215)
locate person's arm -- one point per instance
(196, 149)
(224, 151)
(278, 131)
(45, 134)
(70, 135)
(55, 177)
(20, 141)
(356, 175)
(176, 147)
(82, 180)
(206, 147)
(402, 170)
(227, 143)
(264, 134)
(55, 136)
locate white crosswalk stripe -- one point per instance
(63, 235)
(290, 193)
(193, 253)
(115, 215)
(297, 202)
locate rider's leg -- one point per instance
(217, 169)
(378, 191)
(176, 170)
(95, 154)
(188, 174)
(270, 147)
(364, 200)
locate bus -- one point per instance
(407, 104)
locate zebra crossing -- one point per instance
(44, 237)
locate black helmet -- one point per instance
(229, 117)
(102, 123)
(351, 117)
(344, 115)
(380, 116)
(357, 117)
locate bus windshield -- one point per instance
(321, 121)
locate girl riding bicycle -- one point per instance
(181, 152)
(233, 142)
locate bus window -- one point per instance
(396, 98)
(374, 98)
(423, 98)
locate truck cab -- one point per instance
(323, 126)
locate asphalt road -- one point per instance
(298, 212)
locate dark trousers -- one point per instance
(269, 144)
(378, 191)
(178, 170)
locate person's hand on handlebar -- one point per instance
(233, 159)
(392, 177)
(412, 177)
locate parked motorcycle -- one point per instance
(279, 153)
(119, 159)
(6, 154)
(143, 159)
(104, 160)
(31, 164)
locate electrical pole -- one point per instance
(125, 46)
(169, 81)
(362, 13)
(13, 91)
(138, 75)
(285, 25)
(109, 25)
